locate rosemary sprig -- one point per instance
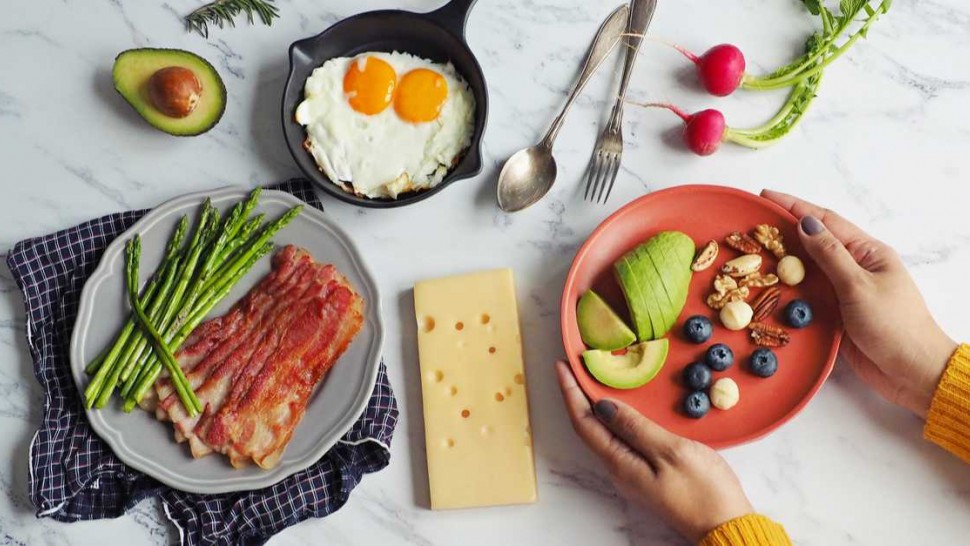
(224, 12)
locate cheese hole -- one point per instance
(437, 376)
(453, 390)
(491, 350)
(459, 326)
(427, 324)
(519, 379)
(485, 318)
(499, 397)
(465, 413)
(486, 430)
(448, 442)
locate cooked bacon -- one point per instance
(255, 368)
(259, 424)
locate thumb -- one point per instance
(830, 255)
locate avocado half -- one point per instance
(599, 325)
(629, 369)
(134, 67)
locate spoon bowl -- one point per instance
(526, 177)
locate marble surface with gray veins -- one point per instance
(885, 144)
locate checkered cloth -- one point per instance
(75, 476)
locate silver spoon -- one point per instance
(528, 174)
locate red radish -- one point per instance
(704, 131)
(720, 69)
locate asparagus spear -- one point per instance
(204, 232)
(199, 238)
(103, 366)
(187, 397)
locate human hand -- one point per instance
(893, 344)
(685, 482)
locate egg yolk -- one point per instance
(420, 95)
(369, 85)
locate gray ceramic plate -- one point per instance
(146, 444)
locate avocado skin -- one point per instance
(134, 67)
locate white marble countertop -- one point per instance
(885, 144)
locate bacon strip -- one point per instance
(256, 367)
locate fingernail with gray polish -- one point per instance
(605, 410)
(812, 225)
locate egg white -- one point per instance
(382, 155)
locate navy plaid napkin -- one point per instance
(75, 476)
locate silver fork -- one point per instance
(604, 164)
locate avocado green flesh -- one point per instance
(671, 282)
(654, 280)
(600, 326)
(133, 69)
(676, 252)
(636, 300)
(640, 364)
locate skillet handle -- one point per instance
(453, 15)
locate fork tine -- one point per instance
(602, 168)
(616, 170)
(607, 172)
(595, 166)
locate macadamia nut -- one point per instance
(736, 315)
(725, 393)
(791, 270)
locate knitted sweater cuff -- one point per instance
(749, 530)
(948, 421)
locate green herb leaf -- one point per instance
(224, 12)
(813, 6)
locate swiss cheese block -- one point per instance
(476, 412)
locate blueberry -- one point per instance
(697, 376)
(798, 313)
(698, 329)
(697, 404)
(719, 357)
(764, 363)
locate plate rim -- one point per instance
(564, 305)
(158, 471)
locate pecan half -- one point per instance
(768, 335)
(705, 258)
(771, 238)
(765, 303)
(742, 242)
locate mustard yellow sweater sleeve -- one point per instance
(749, 530)
(948, 421)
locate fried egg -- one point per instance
(381, 124)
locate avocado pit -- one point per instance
(175, 91)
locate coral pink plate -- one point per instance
(705, 213)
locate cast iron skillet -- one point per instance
(438, 35)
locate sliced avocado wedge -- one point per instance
(667, 311)
(672, 256)
(600, 326)
(135, 67)
(633, 368)
(636, 299)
